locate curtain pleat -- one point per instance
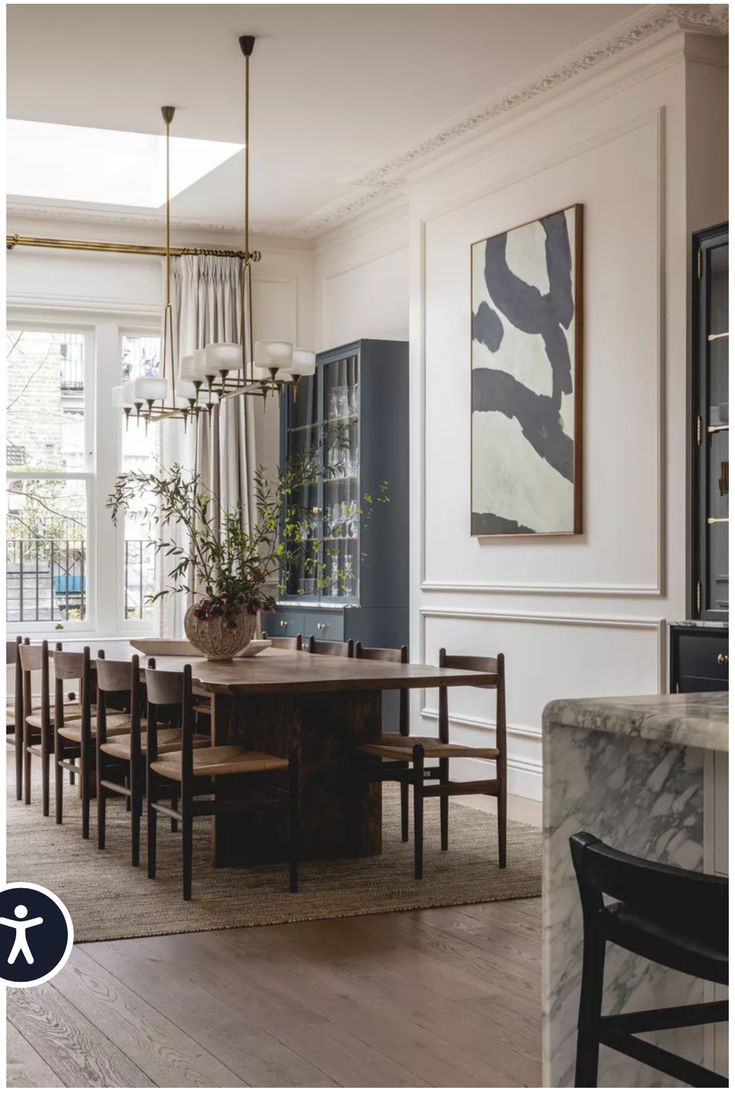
(205, 299)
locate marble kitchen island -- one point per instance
(637, 773)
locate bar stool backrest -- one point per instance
(683, 900)
(391, 656)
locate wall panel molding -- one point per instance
(654, 119)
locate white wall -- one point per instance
(580, 615)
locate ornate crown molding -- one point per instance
(387, 180)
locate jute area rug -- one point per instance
(110, 899)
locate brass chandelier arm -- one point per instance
(16, 240)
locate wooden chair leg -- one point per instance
(152, 820)
(502, 825)
(404, 808)
(294, 820)
(418, 811)
(136, 810)
(45, 772)
(590, 1010)
(101, 803)
(27, 758)
(187, 844)
(72, 778)
(174, 823)
(444, 804)
(86, 793)
(58, 781)
(18, 735)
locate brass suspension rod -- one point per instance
(15, 240)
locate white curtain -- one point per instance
(205, 298)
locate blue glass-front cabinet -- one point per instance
(354, 410)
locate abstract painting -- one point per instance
(527, 379)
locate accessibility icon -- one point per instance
(36, 934)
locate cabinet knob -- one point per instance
(321, 625)
(283, 622)
(722, 658)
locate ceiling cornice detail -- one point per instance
(385, 181)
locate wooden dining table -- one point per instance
(333, 704)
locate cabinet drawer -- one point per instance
(282, 622)
(324, 625)
(694, 683)
(705, 657)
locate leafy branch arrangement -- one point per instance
(220, 562)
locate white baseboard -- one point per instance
(524, 778)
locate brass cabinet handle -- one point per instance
(722, 658)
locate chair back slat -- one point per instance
(390, 656)
(68, 665)
(684, 900)
(394, 656)
(114, 675)
(118, 682)
(32, 657)
(329, 648)
(293, 644)
(164, 688)
(468, 663)
(11, 651)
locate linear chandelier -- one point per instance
(218, 371)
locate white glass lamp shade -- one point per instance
(200, 370)
(129, 398)
(186, 390)
(186, 368)
(274, 354)
(119, 399)
(150, 389)
(223, 356)
(304, 362)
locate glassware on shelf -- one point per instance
(339, 402)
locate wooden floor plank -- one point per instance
(75, 1050)
(25, 1066)
(440, 997)
(233, 1036)
(168, 1056)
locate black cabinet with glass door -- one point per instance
(710, 408)
(351, 578)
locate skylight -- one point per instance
(81, 164)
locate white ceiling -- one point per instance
(337, 90)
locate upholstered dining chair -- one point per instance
(193, 771)
(412, 752)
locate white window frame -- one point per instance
(103, 438)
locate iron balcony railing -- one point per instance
(47, 579)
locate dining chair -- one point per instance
(395, 769)
(412, 752)
(193, 772)
(673, 917)
(122, 756)
(14, 710)
(329, 648)
(35, 726)
(292, 643)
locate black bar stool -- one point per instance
(677, 918)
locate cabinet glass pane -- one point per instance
(717, 435)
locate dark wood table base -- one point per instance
(340, 789)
